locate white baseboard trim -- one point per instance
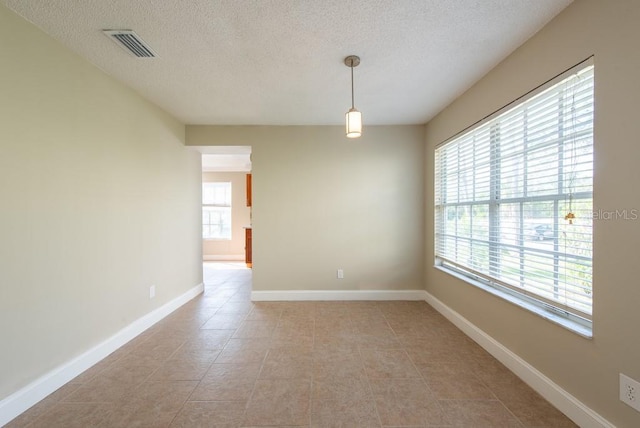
(15, 404)
(227, 258)
(577, 411)
(293, 295)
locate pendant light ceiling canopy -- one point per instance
(353, 117)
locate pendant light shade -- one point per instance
(353, 117)
(354, 123)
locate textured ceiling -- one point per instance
(280, 62)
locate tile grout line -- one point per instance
(366, 375)
(200, 381)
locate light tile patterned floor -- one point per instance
(223, 361)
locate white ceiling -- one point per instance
(280, 62)
(226, 163)
(226, 158)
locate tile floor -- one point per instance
(223, 361)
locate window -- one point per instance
(513, 201)
(216, 210)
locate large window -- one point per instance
(216, 210)
(513, 200)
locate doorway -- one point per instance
(226, 210)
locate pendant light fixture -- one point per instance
(353, 116)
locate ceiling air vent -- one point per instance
(131, 42)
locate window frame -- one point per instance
(570, 317)
(226, 209)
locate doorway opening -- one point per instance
(226, 204)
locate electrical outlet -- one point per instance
(340, 274)
(630, 391)
(152, 292)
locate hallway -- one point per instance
(223, 361)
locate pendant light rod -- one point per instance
(353, 116)
(352, 103)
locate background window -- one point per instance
(514, 199)
(216, 210)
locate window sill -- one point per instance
(571, 325)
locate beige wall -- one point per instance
(240, 216)
(323, 202)
(588, 369)
(99, 200)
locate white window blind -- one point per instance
(506, 192)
